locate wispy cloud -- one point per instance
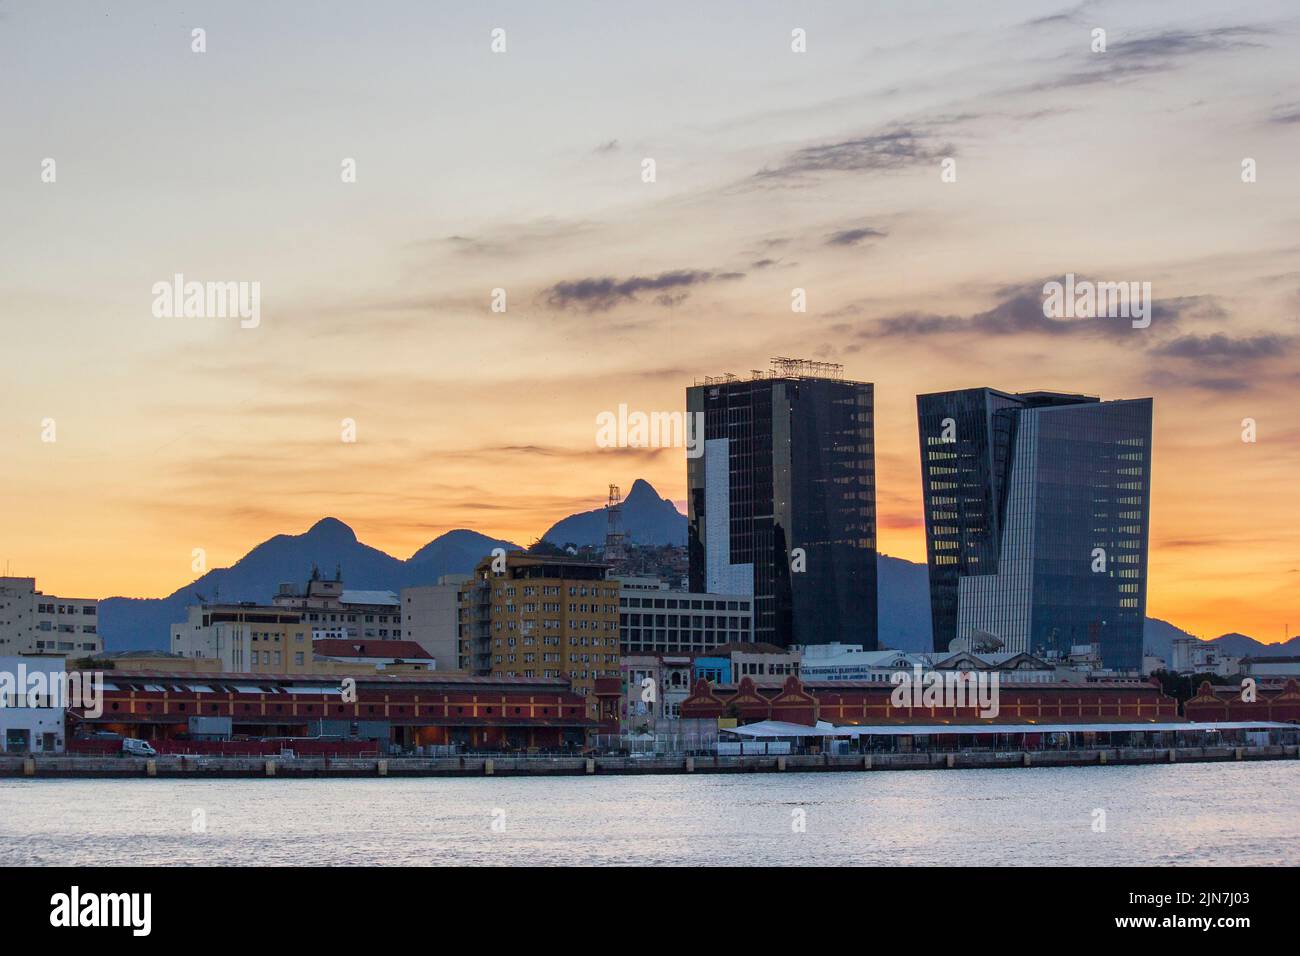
(605, 292)
(1286, 113)
(1151, 53)
(892, 149)
(1020, 311)
(1219, 350)
(851, 237)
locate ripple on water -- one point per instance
(1198, 814)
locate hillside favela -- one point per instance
(672, 437)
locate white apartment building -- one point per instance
(29, 726)
(656, 620)
(35, 623)
(1193, 656)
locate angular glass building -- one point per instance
(782, 503)
(1037, 512)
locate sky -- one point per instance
(523, 170)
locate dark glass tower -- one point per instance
(1037, 511)
(782, 504)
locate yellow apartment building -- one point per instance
(540, 616)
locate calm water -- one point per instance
(1189, 814)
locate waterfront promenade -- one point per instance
(478, 765)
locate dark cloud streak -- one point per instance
(851, 237)
(604, 293)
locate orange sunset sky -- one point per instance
(522, 171)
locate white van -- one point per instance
(137, 748)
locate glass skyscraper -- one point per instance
(1037, 513)
(782, 504)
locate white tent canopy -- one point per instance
(780, 729)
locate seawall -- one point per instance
(175, 766)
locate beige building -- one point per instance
(765, 664)
(540, 616)
(337, 612)
(246, 638)
(41, 624)
(431, 618)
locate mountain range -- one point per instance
(129, 624)
(648, 519)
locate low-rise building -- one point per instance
(334, 611)
(1194, 656)
(871, 702)
(656, 620)
(379, 655)
(850, 662)
(654, 685)
(420, 712)
(1265, 667)
(1273, 699)
(246, 638)
(32, 622)
(765, 664)
(31, 724)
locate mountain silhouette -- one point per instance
(648, 519)
(129, 624)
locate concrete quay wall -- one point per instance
(176, 766)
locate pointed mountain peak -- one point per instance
(641, 489)
(331, 529)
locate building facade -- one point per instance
(424, 712)
(531, 616)
(334, 611)
(1193, 656)
(851, 702)
(31, 724)
(1037, 511)
(377, 655)
(656, 620)
(36, 623)
(431, 617)
(654, 685)
(782, 503)
(246, 638)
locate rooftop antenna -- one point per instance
(614, 549)
(786, 367)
